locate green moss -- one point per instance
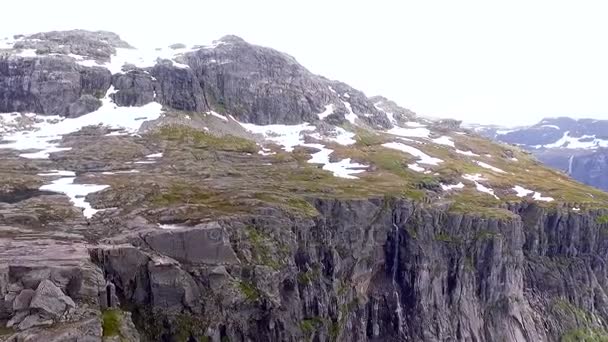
(5, 331)
(188, 325)
(566, 308)
(265, 250)
(602, 219)
(111, 322)
(310, 326)
(184, 135)
(445, 237)
(249, 291)
(305, 278)
(585, 335)
(368, 138)
(289, 202)
(486, 235)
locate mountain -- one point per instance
(578, 147)
(225, 193)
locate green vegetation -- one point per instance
(486, 235)
(585, 335)
(185, 135)
(602, 219)
(265, 250)
(190, 325)
(111, 322)
(249, 290)
(445, 237)
(310, 325)
(286, 180)
(289, 202)
(306, 278)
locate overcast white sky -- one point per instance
(504, 62)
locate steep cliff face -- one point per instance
(261, 202)
(372, 270)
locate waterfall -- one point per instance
(570, 165)
(394, 270)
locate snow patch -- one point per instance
(76, 192)
(423, 157)
(49, 129)
(416, 167)
(288, 136)
(343, 168)
(419, 132)
(476, 178)
(329, 110)
(219, 116)
(537, 196)
(444, 140)
(489, 167)
(467, 153)
(551, 126)
(448, 187)
(521, 191)
(583, 142)
(351, 116)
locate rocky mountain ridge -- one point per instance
(225, 193)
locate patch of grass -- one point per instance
(305, 278)
(291, 203)
(602, 219)
(368, 138)
(445, 237)
(181, 135)
(311, 325)
(188, 325)
(467, 202)
(111, 322)
(249, 290)
(263, 249)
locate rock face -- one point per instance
(381, 271)
(50, 85)
(578, 147)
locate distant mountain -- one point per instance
(578, 147)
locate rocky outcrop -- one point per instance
(50, 85)
(99, 45)
(264, 86)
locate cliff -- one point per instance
(225, 193)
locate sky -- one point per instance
(482, 61)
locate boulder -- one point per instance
(203, 244)
(84, 105)
(51, 300)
